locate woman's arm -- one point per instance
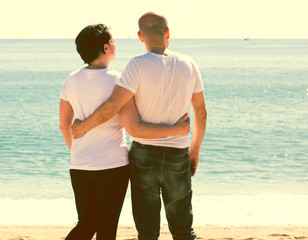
(66, 119)
(136, 128)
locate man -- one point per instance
(165, 85)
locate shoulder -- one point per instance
(183, 61)
(139, 58)
(74, 77)
(135, 62)
(68, 83)
(112, 72)
(182, 57)
(75, 74)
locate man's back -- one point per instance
(163, 87)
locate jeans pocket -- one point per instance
(140, 174)
(181, 180)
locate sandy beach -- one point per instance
(129, 233)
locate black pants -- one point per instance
(99, 197)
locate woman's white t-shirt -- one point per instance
(103, 147)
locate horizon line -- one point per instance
(176, 38)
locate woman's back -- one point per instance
(103, 147)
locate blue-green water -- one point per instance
(256, 142)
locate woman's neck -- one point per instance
(97, 66)
(99, 63)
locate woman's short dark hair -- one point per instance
(91, 40)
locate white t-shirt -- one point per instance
(163, 88)
(104, 146)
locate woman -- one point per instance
(99, 160)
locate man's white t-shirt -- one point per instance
(103, 147)
(163, 88)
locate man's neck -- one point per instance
(158, 47)
(160, 51)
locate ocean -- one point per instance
(253, 167)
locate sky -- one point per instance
(207, 19)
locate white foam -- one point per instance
(260, 209)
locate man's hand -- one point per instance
(77, 130)
(183, 124)
(194, 160)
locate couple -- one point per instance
(151, 98)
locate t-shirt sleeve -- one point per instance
(129, 78)
(199, 83)
(64, 92)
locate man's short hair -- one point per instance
(91, 40)
(152, 24)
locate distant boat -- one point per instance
(247, 38)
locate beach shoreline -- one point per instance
(53, 232)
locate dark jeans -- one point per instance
(99, 197)
(161, 170)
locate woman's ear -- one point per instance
(106, 47)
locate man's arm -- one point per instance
(136, 128)
(199, 125)
(66, 118)
(104, 112)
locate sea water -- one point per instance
(253, 166)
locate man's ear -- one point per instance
(167, 33)
(140, 37)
